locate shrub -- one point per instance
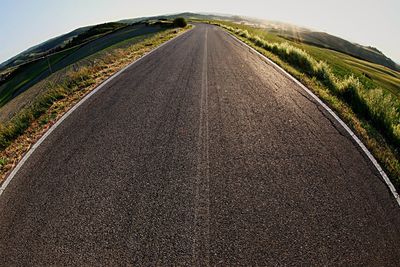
(298, 57)
(244, 33)
(384, 110)
(180, 22)
(324, 74)
(258, 41)
(349, 88)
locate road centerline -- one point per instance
(202, 183)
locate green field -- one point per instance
(29, 74)
(370, 74)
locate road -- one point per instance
(200, 154)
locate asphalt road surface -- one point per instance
(200, 154)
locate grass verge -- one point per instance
(373, 113)
(29, 124)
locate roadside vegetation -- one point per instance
(59, 95)
(180, 22)
(96, 38)
(371, 110)
(94, 32)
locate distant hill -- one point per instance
(42, 48)
(326, 40)
(61, 42)
(308, 36)
(288, 31)
(39, 62)
(322, 39)
(58, 43)
(186, 15)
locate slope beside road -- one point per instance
(201, 153)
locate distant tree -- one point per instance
(180, 22)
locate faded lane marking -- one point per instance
(201, 238)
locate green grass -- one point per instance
(341, 64)
(26, 73)
(370, 74)
(95, 32)
(3, 161)
(31, 73)
(368, 90)
(21, 122)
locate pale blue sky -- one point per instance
(24, 23)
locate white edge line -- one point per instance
(69, 112)
(347, 128)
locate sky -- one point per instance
(24, 23)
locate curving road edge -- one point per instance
(83, 100)
(342, 123)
